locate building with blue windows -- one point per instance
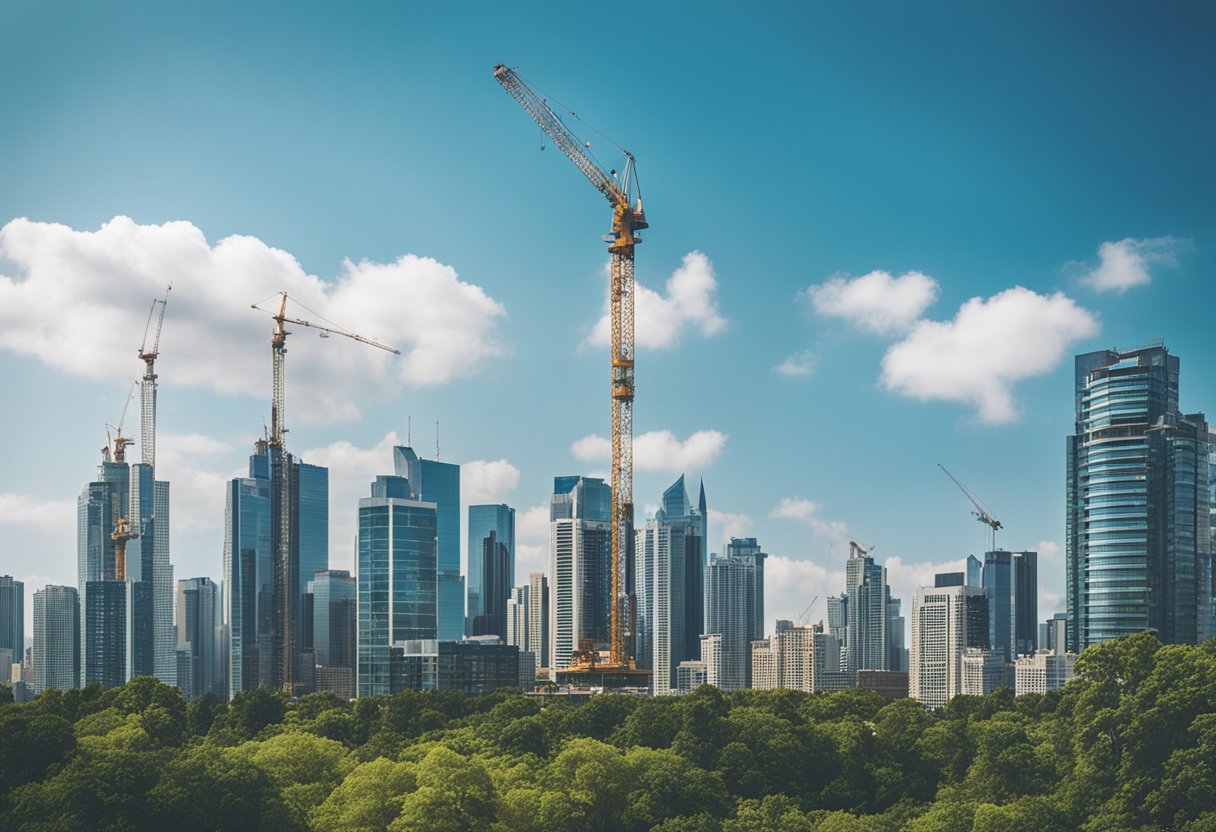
(56, 649)
(1138, 523)
(330, 609)
(580, 563)
(12, 620)
(198, 642)
(439, 483)
(398, 581)
(484, 520)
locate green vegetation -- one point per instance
(1130, 744)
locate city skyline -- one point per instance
(775, 368)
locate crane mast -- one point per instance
(627, 219)
(147, 390)
(284, 567)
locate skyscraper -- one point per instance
(1026, 603)
(749, 551)
(254, 614)
(398, 581)
(484, 519)
(580, 562)
(669, 579)
(945, 622)
(1138, 526)
(538, 619)
(12, 617)
(496, 569)
(999, 584)
(56, 652)
(439, 483)
(198, 632)
(331, 608)
(868, 643)
(729, 600)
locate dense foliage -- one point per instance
(1131, 744)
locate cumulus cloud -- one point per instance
(724, 525)
(658, 450)
(484, 481)
(28, 510)
(807, 513)
(691, 303)
(790, 584)
(197, 467)
(906, 578)
(1125, 263)
(989, 345)
(798, 365)
(532, 541)
(1048, 550)
(62, 305)
(877, 302)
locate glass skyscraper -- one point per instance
(484, 519)
(12, 618)
(198, 629)
(56, 652)
(727, 645)
(1138, 527)
(439, 483)
(580, 562)
(398, 581)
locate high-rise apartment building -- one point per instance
(436, 482)
(786, 658)
(729, 600)
(398, 581)
(56, 651)
(1138, 522)
(12, 617)
(580, 566)
(748, 550)
(669, 553)
(198, 637)
(484, 519)
(253, 613)
(538, 619)
(945, 622)
(1045, 671)
(985, 670)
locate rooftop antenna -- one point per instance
(409, 430)
(436, 440)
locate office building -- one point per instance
(942, 579)
(398, 581)
(729, 599)
(984, 671)
(580, 567)
(1011, 580)
(517, 617)
(248, 587)
(538, 619)
(472, 666)
(330, 613)
(495, 588)
(747, 550)
(1043, 672)
(484, 520)
(436, 482)
(12, 616)
(872, 636)
(669, 553)
(1137, 521)
(147, 563)
(1053, 633)
(198, 638)
(690, 675)
(945, 622)
(56, 649)
(889, 684)
(975, 571)
(827, 663)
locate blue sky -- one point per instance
(957, 150)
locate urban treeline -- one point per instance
(1129, 743)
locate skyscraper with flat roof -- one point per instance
(12, 616)
(730, 595)
(1138, 523)
(580, 566)
(56, 650)
(198, 637)
(438, 482)
(331, 608)
(484, 519)
(945, 622)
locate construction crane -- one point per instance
(806, 613)
(118, 441)
(627, 219)
(121, 534)
(283, 576)
(147, 389)
(982, 512)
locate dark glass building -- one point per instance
(484, 519)
(1138, 527)
(438, 482)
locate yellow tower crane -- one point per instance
(284, 568)
(627, 219)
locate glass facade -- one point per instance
(248, 587)
(580, 561)
(106, 632)
(12, 618)
(439, 483)
(483, 520)
(198, 628)
(1138, 529)
(398, 586)
(56, 651)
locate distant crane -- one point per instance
(147, 398)
(982, 512)
(627, 219)
(806, 613)
(119, 441)
(284, 577)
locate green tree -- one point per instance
(454, 794)
(367, 799)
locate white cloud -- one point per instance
(725, 525)
(990, 344)
(691, 303)
(1050, 603)
(658, 450)
(790, 584)
(1048, 550)
(28, 510)
(807, 512)
(61, 306)
(798, 365)
(487, 482)
(905, 578)
(876, 302)
(1125, 263)
(532, 541)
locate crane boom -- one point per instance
(285, 569)
(147, 389)
(627, 219)
(982, 512)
